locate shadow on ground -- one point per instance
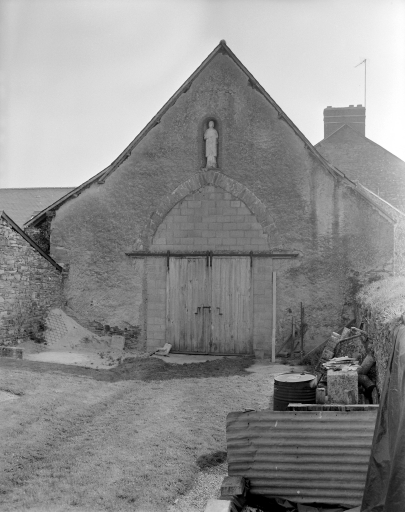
(145, 369)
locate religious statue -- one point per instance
(211, 143)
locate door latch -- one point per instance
(202, 307)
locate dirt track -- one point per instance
(126, 439)
(145, 369)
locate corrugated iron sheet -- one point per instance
(305, 457)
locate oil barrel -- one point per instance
(293, 388)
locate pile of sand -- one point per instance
(68, 342)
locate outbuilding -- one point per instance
(216, 223)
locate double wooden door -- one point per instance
(209, 305)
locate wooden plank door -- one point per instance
(188, 322)
(232, 304)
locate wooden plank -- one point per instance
(231, 301)
(173, 307)
(197, 277)
(186, 291)
(245, 295)
(273, 320)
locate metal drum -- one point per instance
(293, 388)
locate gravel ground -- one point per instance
(208, 482)
(206, 486)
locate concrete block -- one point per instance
(220, 506)
(342, 387)
(117, 342)
(233, 485)
(14, 352)
(320, 396)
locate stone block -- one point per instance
(117, 342)
(14, 352)
(342, 387)
(214, 505)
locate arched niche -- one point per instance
(201, 130)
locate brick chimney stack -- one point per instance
(335, 117)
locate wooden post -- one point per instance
(302, 331)
(273, 334)
(292, 337)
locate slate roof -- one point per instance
(362, 159)
(21, 204)
(222, 48)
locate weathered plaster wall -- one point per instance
(399, 228)
(29, 286)
(341, 239)
(361, 159)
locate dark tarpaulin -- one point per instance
(385, 484)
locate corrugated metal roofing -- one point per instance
(305, 457)
(22, 203)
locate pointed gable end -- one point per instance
(202, 73)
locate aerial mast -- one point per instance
(365, 78)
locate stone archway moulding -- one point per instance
(220, 180)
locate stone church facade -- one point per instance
(218, 258)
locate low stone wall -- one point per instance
(29, 286)
(380, 308)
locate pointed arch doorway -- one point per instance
(223, 306)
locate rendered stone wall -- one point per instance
(156, 270)
(364, 160)
(399, 228)
(29, 286)
(342, 241)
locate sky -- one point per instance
(79, 79)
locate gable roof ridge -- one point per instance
(373, 201)
(221, 48)
(156, 118)
(333, 133)
(36, 219)
(380, 199)
(102, 175)
(386, 150)
(27, 238)
(361, 136)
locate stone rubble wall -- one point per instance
(29, 287)
(380, 307)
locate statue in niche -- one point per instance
(211, 145)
